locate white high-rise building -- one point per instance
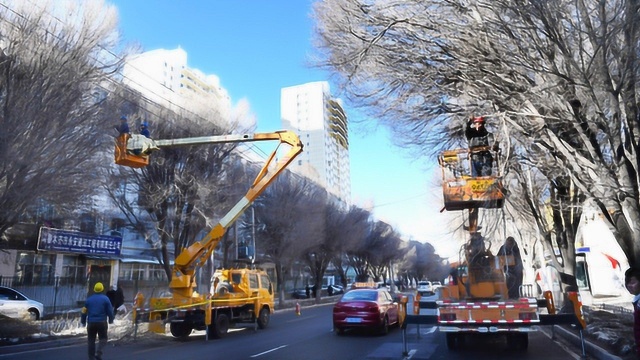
(164, 78)
(321, 123)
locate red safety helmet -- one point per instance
(478, 119)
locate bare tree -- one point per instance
(53, 66)
(348, 228)
(383, 246)
(288, 220)
(374, 251)
(557, 78)
(183, 190)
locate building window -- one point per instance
(35, 269)
(134, 271)
(157, 273)
(74, 270)
(131, 271)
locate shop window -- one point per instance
(35, 269)
(157, 273)
(74, 270)
(131, 271)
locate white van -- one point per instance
(425, 287)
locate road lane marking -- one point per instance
(268, 351)
(572, 352)
(410, 354)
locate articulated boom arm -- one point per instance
(194, 256)
(197, 254)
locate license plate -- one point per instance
(354, 320)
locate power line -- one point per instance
(400, 200)
(119, 59)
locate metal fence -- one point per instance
(64, 294)
(60, 295)
(614, 309)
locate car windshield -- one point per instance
(361, 295)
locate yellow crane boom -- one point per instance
(134, 150)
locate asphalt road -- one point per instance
(308, 336)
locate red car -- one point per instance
(367, 309)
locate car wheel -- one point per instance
(453, 341)
(34, 315)
(338, 330)
(263, 318)
(518, 341)
(384, 329)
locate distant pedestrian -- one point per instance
(96, 312)
(116, 296)
(632, 283)
(307, 290)
(119, 299)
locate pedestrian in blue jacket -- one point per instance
(96, 312)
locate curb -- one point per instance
(39, 345)
(592, 350)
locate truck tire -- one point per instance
(180, 330)
(263, 318)
(220, 326)
(454, 341)
(518, 341)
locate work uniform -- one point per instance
(96, 312)
(479, 141)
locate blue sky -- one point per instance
(258, 47)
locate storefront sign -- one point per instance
(78, 242)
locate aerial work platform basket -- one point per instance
(126, 158)
(463, 191)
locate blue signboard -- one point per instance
(78, 242)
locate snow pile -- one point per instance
(69, 325)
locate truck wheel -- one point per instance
(180, 330)
(453, 341)
(220, 326)
(518, 341)
(263, 318)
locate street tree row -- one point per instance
(61, 94)
(556, 80)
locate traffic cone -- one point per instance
(298, 309)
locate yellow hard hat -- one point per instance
(98, 287)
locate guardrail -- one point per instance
(571, 318)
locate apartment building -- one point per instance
(321, 123)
